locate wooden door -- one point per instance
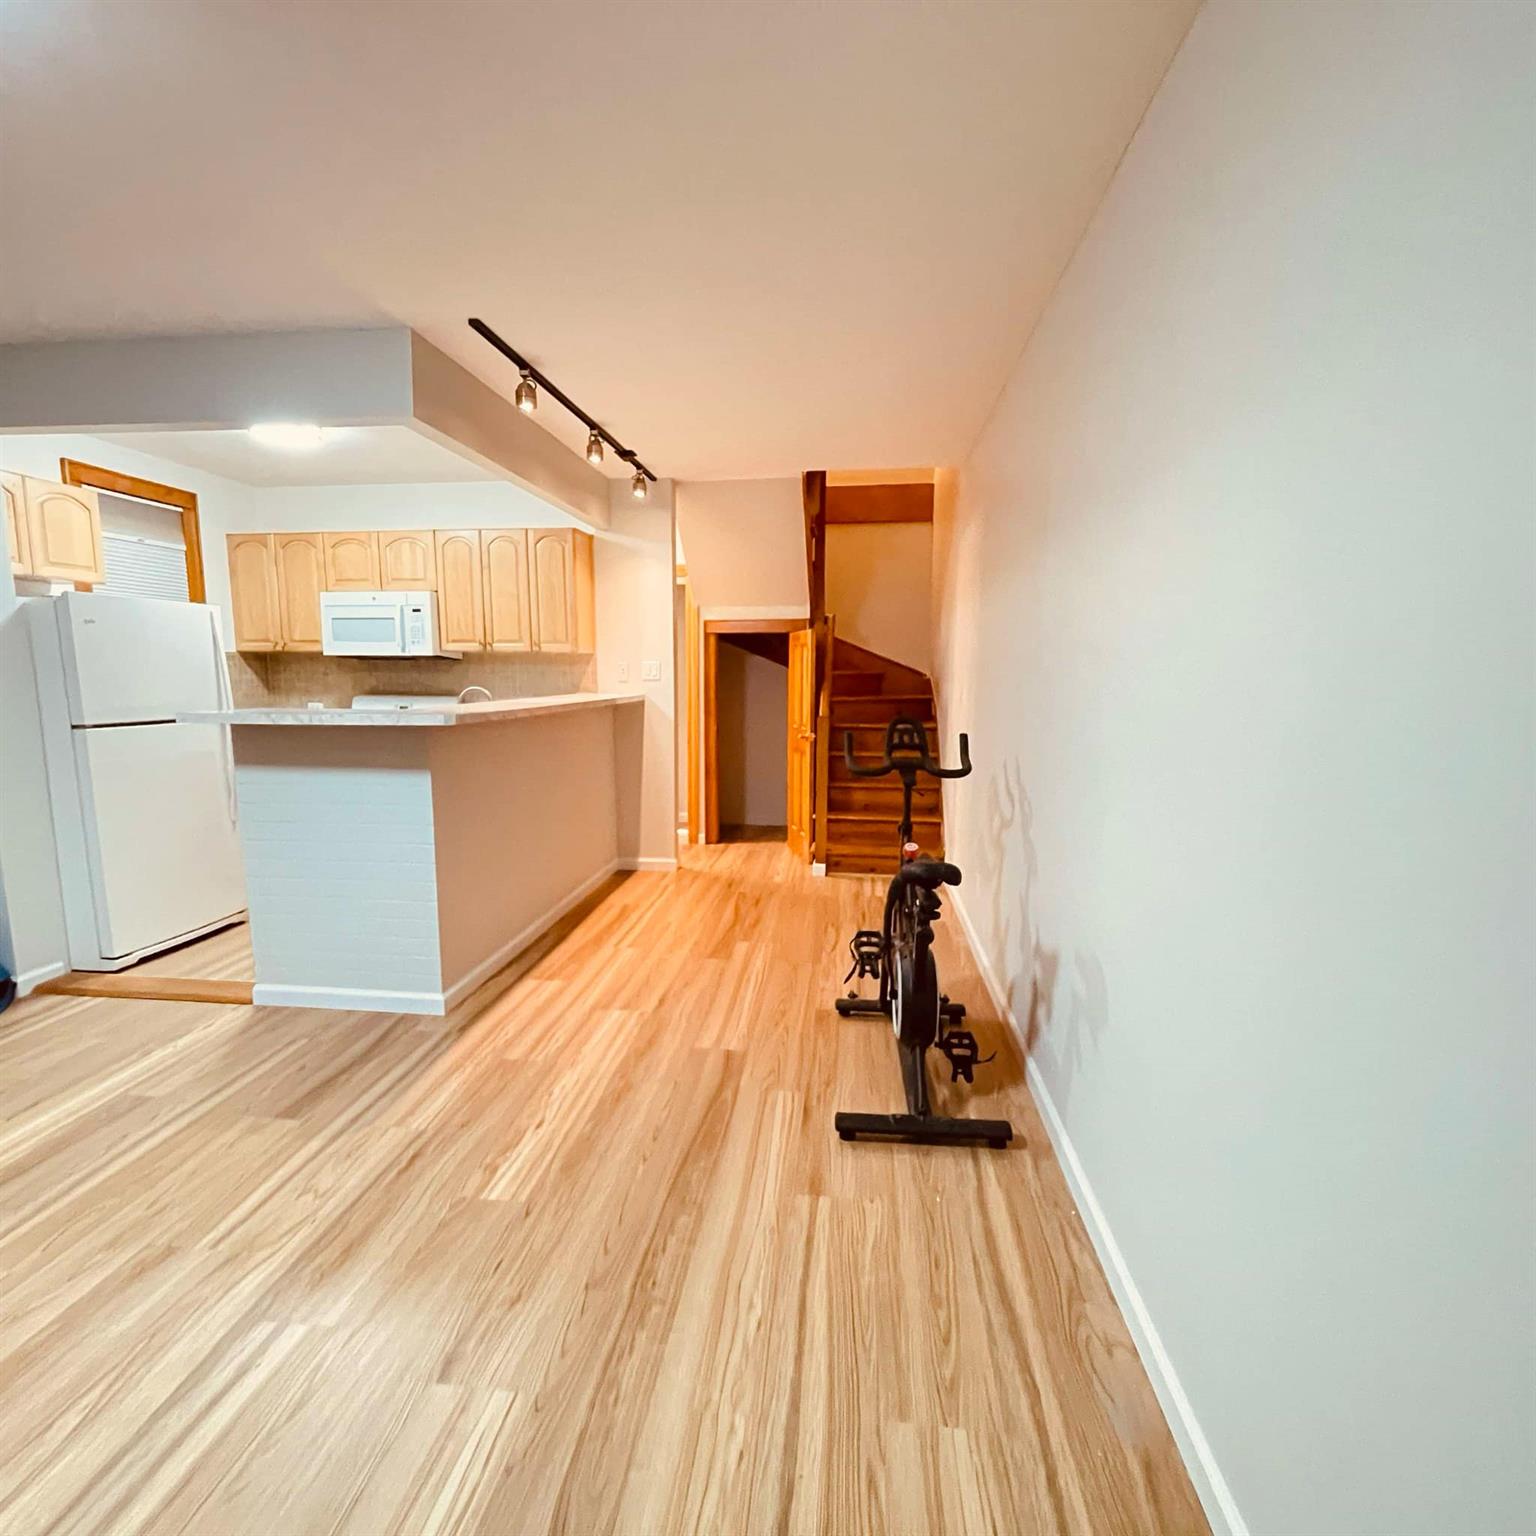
(504, 557)
(64, 531)
(300, 579)
(802, 711)
(351, 562)
(253, 592)
(407, 560)
(13, 492)
(460, 590)
(553, 585)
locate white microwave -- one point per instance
(379, 624)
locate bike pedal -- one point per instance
(963, 1053)
(867, 947)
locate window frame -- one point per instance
(95, 477)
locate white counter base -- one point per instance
(394, 871)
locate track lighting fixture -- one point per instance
(526, 398)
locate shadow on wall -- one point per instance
(1060, 1015)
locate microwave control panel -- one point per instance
(415, 627)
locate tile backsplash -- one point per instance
(296, 677)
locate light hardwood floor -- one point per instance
(586, 1258)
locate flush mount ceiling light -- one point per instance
(288, 434)
(526, 399)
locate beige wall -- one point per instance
(879, 578)
(635, 574)
(746, 546)
(1238, 607)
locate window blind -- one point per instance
(141, 567)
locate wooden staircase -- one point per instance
(863, 815)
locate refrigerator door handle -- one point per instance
(226, 695)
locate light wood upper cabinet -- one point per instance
(351, 562)
(460, 598)
(560, 562)
(14, 494)
(504, 556)
(498, 589)
(63, 531)
(407, 560)
(300, 580)
(253, 592)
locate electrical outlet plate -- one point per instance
(623, 671)
(653, 672)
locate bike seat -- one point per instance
(929, 873)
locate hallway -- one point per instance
(585, 1259)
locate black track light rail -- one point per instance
(480, 328)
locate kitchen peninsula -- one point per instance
(395, 859)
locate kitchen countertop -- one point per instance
(483, 712)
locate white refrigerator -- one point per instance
(143, 807)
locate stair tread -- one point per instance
(883, 817)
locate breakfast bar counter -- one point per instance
(396, 859)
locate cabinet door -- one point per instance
(504, 554)
(407, 561)
(460, 623)
(253, 592)
(549, 559)
(15, 497)
(300, 579)
(64, 531)
(351, 562)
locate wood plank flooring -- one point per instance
(585, 1258)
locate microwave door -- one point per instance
(361, 631)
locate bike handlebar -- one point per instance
(910, 738)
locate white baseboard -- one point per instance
(366, 1000)
(27, 980)
(646, 863)
(353, 999)
(1199, 1460)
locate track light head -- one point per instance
(637, 487)
(594, 449)
(527, 396)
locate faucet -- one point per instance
(474, 688)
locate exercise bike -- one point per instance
(900, 959)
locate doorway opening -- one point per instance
(751, 735)
(751, 729)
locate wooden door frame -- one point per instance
(689, 672)
(75, 472)
(713, 629)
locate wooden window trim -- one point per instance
(74, 472)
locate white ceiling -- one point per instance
(750, 237)
(383, 455)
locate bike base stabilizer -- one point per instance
(853, 1007)
(931, 1130)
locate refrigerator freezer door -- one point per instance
(162, 845)
(138, 658)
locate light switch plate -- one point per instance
(623, 671)
(652, 672)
